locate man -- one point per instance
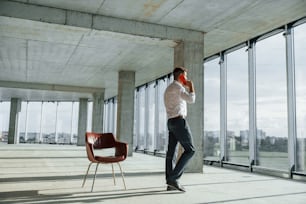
(177, 94)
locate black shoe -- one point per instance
(176, 186)
(170, 188)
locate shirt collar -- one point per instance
(178, 83)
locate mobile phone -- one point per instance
(183, 79)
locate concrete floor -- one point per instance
(54, 173)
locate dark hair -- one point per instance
(177, 71)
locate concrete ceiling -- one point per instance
(69, 62)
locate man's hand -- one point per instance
(189, 84)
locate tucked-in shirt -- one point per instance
(176, 98)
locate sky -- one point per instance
(271, 87)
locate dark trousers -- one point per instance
(179, 131)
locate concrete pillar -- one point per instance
(125, 108)
(190, 54)
(179, 55)
(97, 112)
(13, 124)
(82, 123)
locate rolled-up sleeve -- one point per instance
(188, 97)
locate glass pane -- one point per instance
(237, 107)
(64, 122)
(89, 116)
(106, 116)
(75, 120)
(150, 117)
(110, 122)
(114, 128)
(300, 70)
(141, 122)
(4, 120)
(34, 121)
(135, 119)
(162, 135)
(22, 122)
(49, 123)
(110, 115)
(212, 110)
(271, 93)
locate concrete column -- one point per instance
(179, 54)
(190, 55)
(97, 112)
(125, 108)
(13, 124)
(82, 123)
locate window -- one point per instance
(212, 110)
(237, 106)
(4, 120)
(64, 122)
(135, 127)
(150, 117)
(162, 134)
(89, 116)
(300, 70)
(34, 122)
(110, 115)
(271, 93)
(74, 122)
(48, 120)
(22, 123)
(141, 118)
(151, 131)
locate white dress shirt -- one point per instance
(175, 98)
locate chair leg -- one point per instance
(85, 177)
(114, 177)
(122, 175)
(93, 182)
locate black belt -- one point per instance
(177, 117)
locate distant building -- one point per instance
(4, 136)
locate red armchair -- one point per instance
(94, 141)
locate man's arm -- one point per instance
(189, 96)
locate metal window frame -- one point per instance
(137, 117)
(223, 108)
(157, 128)
(26, 123)
(115, 108)
(291, 100)
(147, 114)
(71, 122)
(253, 152)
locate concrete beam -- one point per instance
(93, 21)
(50, 87)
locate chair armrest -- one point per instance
(121, 149)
